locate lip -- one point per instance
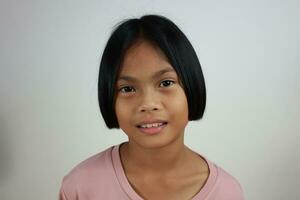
(152, 130)
(151, 122)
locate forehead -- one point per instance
(144, 56)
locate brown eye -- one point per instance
(126, 89)
(166, 83)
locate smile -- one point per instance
(151, 125)
(151, 129)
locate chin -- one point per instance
(155, 143)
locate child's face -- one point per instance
(144, 95)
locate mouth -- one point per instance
(152, 128)
(151, 125)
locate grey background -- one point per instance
(49, 116)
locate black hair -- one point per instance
(164, 34)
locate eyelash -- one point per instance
(129, 87)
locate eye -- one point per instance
(126, 89)
(166, 83)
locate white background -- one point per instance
(49, 115)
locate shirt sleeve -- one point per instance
(62, 195)
(241, 194)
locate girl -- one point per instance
(150, 85)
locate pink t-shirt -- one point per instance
(102, 177)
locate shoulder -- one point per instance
(226, 177)
(96, 170)
(228, 185)
(98, 163)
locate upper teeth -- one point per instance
(151, 125)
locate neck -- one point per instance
(160, 160)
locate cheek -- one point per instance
(119, 111)
(122, 112)
(180, 102)
(179, 107)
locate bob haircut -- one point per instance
(164, 34)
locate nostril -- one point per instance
(149, 107)
(144, 110)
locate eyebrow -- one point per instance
(155, 74)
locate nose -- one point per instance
(148, 108)
(149, 102)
